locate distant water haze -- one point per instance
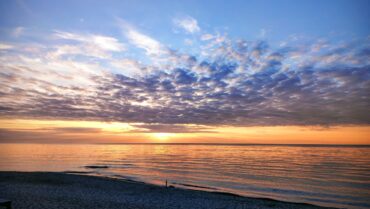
(337, 176)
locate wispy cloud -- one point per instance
(103, 42)
(187, 23)
(4, 46)
(150, 45)
(18, 31)
(206, 37)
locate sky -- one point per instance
(276, 72)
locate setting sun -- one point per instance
(162, 136)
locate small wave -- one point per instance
(195, 186)
(78, 172)
(96, 166)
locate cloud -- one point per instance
(206, 37)
(263, 33)
(48, 135)
(150, 45)
(234, 82)
(108, 43)
(4, 46)
(187, 23)
(188, 42)
(103, 42)
(76, 45)
(18, 31)
(73, 130)
(129, 67)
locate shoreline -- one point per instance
(56, 190)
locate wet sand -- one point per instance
(52, 190)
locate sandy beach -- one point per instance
(31, 190)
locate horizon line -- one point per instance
(192, 143)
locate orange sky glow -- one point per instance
(59, 131)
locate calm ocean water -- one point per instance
(336, 176)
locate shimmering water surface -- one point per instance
(336, 176)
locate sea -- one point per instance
(325, 175)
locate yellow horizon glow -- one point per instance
(162, 136)
(116, 132)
